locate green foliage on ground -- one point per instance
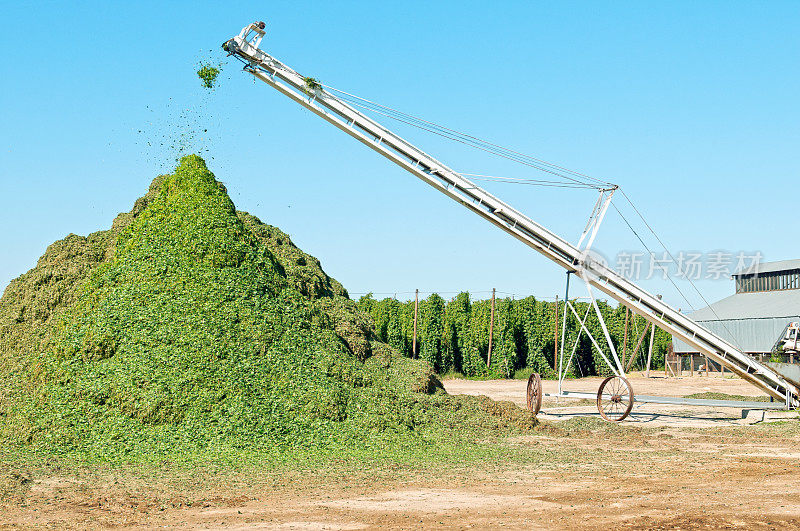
(190, 328)
(710, 395)
(453, 336)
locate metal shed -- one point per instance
(767, 298)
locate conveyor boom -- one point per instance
(372, 134)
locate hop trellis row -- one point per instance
(453, 336)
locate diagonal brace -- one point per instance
(594, 341)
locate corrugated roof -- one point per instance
(755, 305)
(750, 335)
(769, 267)
(751, 321)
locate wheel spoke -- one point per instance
(615, 398)
(534, 393)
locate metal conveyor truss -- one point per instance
(326, 105)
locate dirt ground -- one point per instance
(581, 474)
(657, 384)
(554, 409)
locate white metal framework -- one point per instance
(576, 259)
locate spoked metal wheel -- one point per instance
(534, 394)
(615, 398)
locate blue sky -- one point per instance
(690, 107)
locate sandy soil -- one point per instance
(629, 476)
(554, 409)
(514, 390)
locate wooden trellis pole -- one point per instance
(555, 326)
(491, 331)
(636, 349)
(416, 309)
(650, 350)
